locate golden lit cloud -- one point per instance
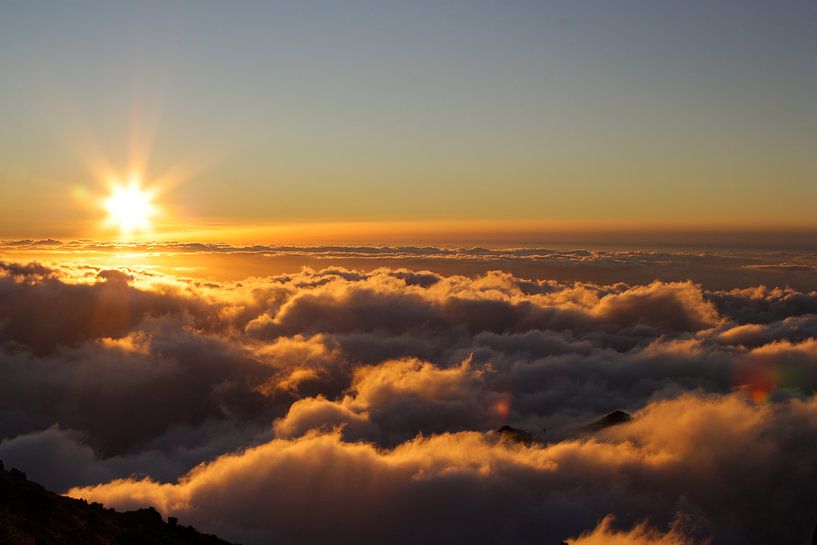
(274, 397)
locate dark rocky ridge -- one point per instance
(610, 419)
(515, 434)
(31, 515)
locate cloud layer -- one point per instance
(340, 405)
(714, 267)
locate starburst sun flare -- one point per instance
(130, 206)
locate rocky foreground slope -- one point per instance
(31, 515)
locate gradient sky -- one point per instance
(636, 113)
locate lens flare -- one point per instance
(758, 380)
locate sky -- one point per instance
(400, 117)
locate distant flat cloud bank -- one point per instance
(713, 268)
(352, 394)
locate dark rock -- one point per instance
(515, 434)
(31, 514)
(610, 419)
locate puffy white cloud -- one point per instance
(641, 534)
(366, 400)
(740, 473)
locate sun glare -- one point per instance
(130, 206)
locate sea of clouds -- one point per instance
(336, 405)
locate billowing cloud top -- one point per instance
(341, 405)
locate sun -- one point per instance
(129, 206)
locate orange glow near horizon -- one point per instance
(489, 233)
(160, 221)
